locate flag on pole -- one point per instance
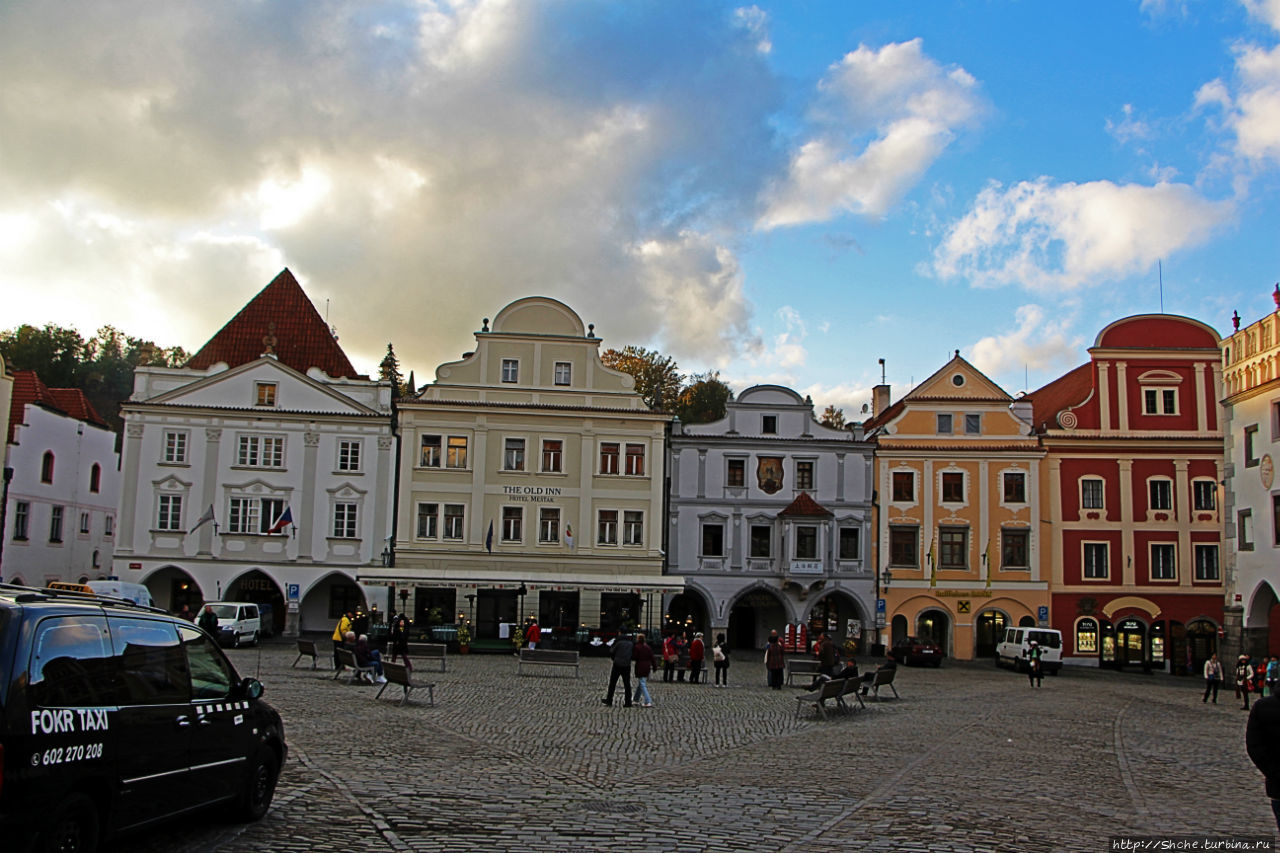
(205, 519)
(568, 536)
(285, 519)
(488, 540)
(986, 564)
(933, 564)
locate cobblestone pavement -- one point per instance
(970, 758)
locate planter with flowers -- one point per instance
(464, 638)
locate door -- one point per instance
(991, 625)
(221, 739)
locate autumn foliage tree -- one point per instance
(697, 399)
(832, 417)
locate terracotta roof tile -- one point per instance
(806, 506)
(29, 389)
(282, 311)
(1070, 389)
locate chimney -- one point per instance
(879, 399)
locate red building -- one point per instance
(1134, 455)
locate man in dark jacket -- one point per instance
(209, 621)
(622, 647)
(1262, 740)
(825, 650)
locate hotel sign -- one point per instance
(531, 494)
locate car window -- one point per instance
(226, 611)
(71, 663)
(153, 667)
(211, 675)
(1046, 638)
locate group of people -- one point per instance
(1260, 679)
(679, 655)
(682, 653)
(345, 637)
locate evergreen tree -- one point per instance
(389, 371)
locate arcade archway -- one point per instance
(753, 615)
(257, 587)
(171, 588)
(988, 631)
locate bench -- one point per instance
(802, 666)
(852, 687)
(306, 649)
(547, 657)
(833, 689)
(884, 678)
(347, 660)
(428, 651)
(399, 674)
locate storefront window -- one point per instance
(1087, 637)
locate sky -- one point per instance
(784, 192)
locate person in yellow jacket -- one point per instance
(340, 635)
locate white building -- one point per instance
(59, 519)
(770, 514)
(260, 471)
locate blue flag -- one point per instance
(488, 540)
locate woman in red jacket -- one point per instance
(697, 653)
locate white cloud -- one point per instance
(1128, 129)
(1036, 343)
(755, 21)
(1267, 11)
(886, 116)
(1047, 236)
(1250, 103)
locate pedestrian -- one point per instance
(185, 613)
(399, 636)
(1262, 742)
(1212, 678)
(774, 661)
(720, 653)
(642, 657)
(208, 621)
(533, 634)
(1244, 675)
(1035, 669)
(697, 654)
(850, 670)
(682, 655)
(825, 650)
(1273, 675)
(868, 678)
(340, 635)
(622, 649)
(669, 658)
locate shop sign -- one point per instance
(807, 567)
(966, 593)
(531, 494)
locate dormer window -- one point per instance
(564, 373)
(510, 370)
(266, 393)
(769, 424)
(1159, 401)
(944, 424)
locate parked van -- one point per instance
(135, 592)
(1014, 650)
(238, 622)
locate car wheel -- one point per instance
(254, 640)
(259, 788)
(74, 829)
(235, 641)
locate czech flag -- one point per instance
(285, 519)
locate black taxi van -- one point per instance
(114, 716)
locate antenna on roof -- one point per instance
(1160, 270)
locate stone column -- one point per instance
(1126, 522)
(316, 521)
(1182, 511)
(382, 498)
(129, 488)
(1122, 395)
(209, 490)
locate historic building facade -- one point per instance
(770, 517)
(958, 537)
(262, 470)
(1134, 456)
(531, 484)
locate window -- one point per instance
(736, 474)
(904, 546)
(348, 454)
(84, 523)
(1244, 530)
(1250, 446)
(453, 517)
(261, 451)
(564, 373)
(72, 665)
(21, 520)
(55, 524)
(635, 460)
(1159, 401)
(609, 457)
(953, 487)
(1206, 562)
(210, 677)
(170, 513)
(849, 544)
(1087, 637)
(175, 447)
(552, 454)
(1204, 495)
(1015, 488)
(806, 543)
(253, 515)
(1161, 494)
(456, 452)
(944, 424)
(344, 520)
(46, 467)
(1275, 421)
(804, 475)
(549, 524)
(761, 540)
(953, 547)
(513, 455)
(1275, 520)
(153, 666)
(904, 486)
(512, 523)
(510, 370)
(428, 519)
(1163, 567)
(109, 526)
(712, 539)
(1096, 560)
(972, 424)
(95, 478)
(266, 393)
(607, 528)
(769, 424)
(633, 527)
(1091, 493)
(430, 456)
(1015, 549)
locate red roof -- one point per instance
(1070, 389)
(281, 319)
(28, 389)
(805, 505)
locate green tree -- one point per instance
(703, 399)
(53, 352)
(389, 371)
(832, 417)
(657, 377)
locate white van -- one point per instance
(1015, 648)
(238, 621)
(135, 592)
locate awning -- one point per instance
(532, 581)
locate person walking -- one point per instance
(185, 613)
(1273, 675)
(1244, 675)
(1262, 742)
(1035, 668)
(682, 655)
(399, 636)
(825, 651)
(720, 653)
(1212, 678)
(533, 634)
(774, 662)
(622, 649)
(642, 656)
(669, 658)
(208, 621)
(340, 635)
(697, 654)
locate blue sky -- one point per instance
(785, 192)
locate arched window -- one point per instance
(46, 467)
(95, 478)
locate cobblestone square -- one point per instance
(970, 758)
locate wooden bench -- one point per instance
(547, 657)
(802, 666)
(884, 678)
(347, 660)
(852, 687)
(401, 675)
(306, 649)
(833, 689)
(427, 651)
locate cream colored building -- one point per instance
(531, 484)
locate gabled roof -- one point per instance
(805, 506)
(28, 389)
(281, 320)
(1070, 389)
